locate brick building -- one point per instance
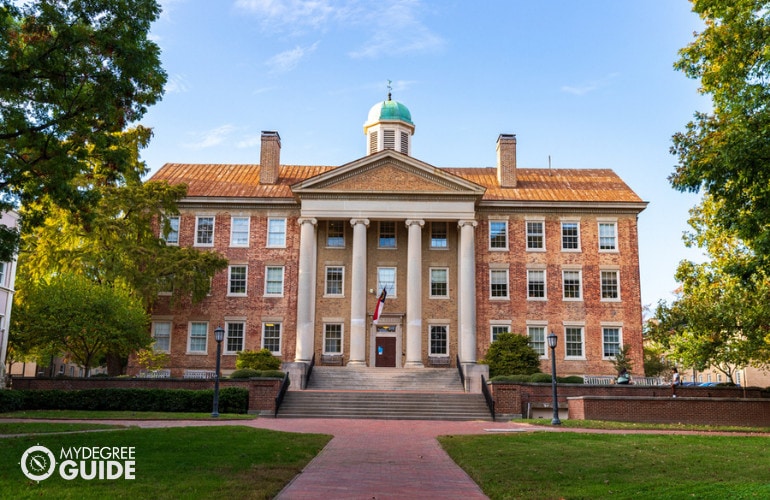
(10, 220)
(462, 253)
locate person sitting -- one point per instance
(624, 377)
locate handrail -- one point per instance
(460, 369)
(488, 397)
(309, 371)
(281, 394)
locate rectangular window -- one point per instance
(274, 281)
(573, 340)
(536, 283)
(276, 233)
(439, 282)
(161, 332)
(498, 329)
(386, 278)
(389, 139)
(2, 273)
(537, 339)
(498, 235)
(237, 280)
(572, 286)
(235, 333)
(335, 276)
(570, 236)
(204, 231)
(239, 231)
(439, 340)
(387, 236)
(438, 235)
(335, 233)
(498, 283)
(535, 235)
(610, 341)
(172, 236)
(610, 285)
(197, 341)
(333, 338)
(271, 337)
(608, 236)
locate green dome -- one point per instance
(389, 111)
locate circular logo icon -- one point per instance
(38, 463)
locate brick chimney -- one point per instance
(506, 160)
(270, 157)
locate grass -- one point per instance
(588, 465)
(48, 427)
(634, 426)
(120, 415)
(181, 462)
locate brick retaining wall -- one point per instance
(262, 392)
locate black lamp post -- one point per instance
(552, 339)
(219, 336)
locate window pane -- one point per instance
(276, 232)
(439, 282)
(438, 235)
(610, 285)
(607, 238)
(571, 284)
(387, 238)
(198, 333)
(335, 233)
(271, 337)
(234, 337)
(570, 239)
(274, 281)
(498, 234)
(161, 332)
(537, 339)
(498, 283)
(498, 329)
(438, 340)
(386, 278)
(611, 338)
(173, 234)
(536, 284)
(239, 232)
(237, 279)
(334, 280)
(333, 338)
(205, 231)
(574, 341)
(535, 235)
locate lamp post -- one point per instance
(552, 339)
(219, 336)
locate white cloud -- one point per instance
(289, 59)
(211, 138)
(589, 86)
(177, 84)
(293, 13)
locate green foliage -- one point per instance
(152, 360)
(654, 360)
(542, 378)
(73, 316)
(231, 400)
(257, 360)
(72, 76)
(511, 354)
(513, 379)
(572, 379)
(246, 373)
(622, 359)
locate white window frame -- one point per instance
(155, 346)
(614, 224)
(505, 235)
(327, 293)
(434, 240)
(432, 281)
(230, 292)
(226, 342)
(392, 290)
(493, 272)
(577, 225)
(582, 329)
(445, 326)
(545, 284)
(276, 238)
(616, 272)
(611, 326)
(326, 338)
(190, 327)
(527, 234)
(174, 230)
(564, 284)
(198, 219)
(2, 274)
(531, 326)
(496, 327)
(272, 324)
(380, 238)
(328, 226)
(267, 281)
(237, 237)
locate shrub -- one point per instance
(512, 378)
(511, 354)
(273, 374)
(258, 360)
(246, 373)
(542, 378)
(11, 400)
(572, 379)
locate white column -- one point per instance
(467, 295)
(414, 295)
(306, 290)
(358, 294)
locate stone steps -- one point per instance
(385, 379)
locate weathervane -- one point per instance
(390, 88)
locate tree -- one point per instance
(727, 152)
(511, 354)
(622, 360)
(73, 316)
(73, 74)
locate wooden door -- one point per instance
(385, 353)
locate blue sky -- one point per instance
(589, 83)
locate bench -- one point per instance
(331, 359)
(166, 373)
(205, 374)
(439, 360)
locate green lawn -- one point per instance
(48, 427)
(182, 462)
(581, 465)
(120, 415)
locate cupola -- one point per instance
(389, 126)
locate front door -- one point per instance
(385, 352)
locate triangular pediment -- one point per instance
(387, 172)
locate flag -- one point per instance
(378, 307)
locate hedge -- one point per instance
(231, 400)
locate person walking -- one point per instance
(675, 381)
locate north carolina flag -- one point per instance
(378, 307)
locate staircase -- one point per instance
(383, 393)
